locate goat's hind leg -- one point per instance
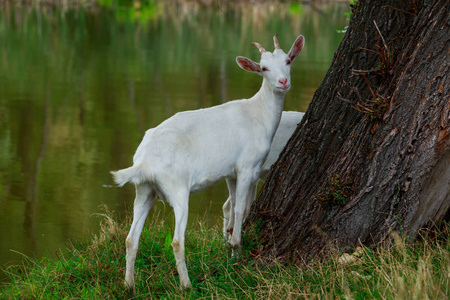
(145, 197)
(180, 203)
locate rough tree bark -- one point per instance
(372, 153)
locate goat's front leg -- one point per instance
(250, 198)
(142, 204)
(245, 189)
(228, 208)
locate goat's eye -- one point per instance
(288, 62)
(264, 69)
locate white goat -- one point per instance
(288, 124)
(194, 149)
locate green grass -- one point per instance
(95, 270)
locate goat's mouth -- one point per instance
(284, 88)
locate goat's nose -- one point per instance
(283, 81)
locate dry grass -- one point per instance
(95, 270)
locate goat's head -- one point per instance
(274, 67)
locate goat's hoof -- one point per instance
(186, 285)
(233, 245)
(130, 286)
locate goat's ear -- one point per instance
(297, 47)
(248, 65)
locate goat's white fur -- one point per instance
(194, 149)
(288, 124)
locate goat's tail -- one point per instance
(136, 174)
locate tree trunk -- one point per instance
(372, 153)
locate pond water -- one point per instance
(79, 87)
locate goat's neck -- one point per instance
(271, 103)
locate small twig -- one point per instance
(368, 84)
(363, 109)
(357, 93)
(400, 10)
(370, 50)
(363, 72)
(217, 2)
(343, 99)
(381, 36)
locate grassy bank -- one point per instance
(95, 270)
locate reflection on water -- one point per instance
(79, 86)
